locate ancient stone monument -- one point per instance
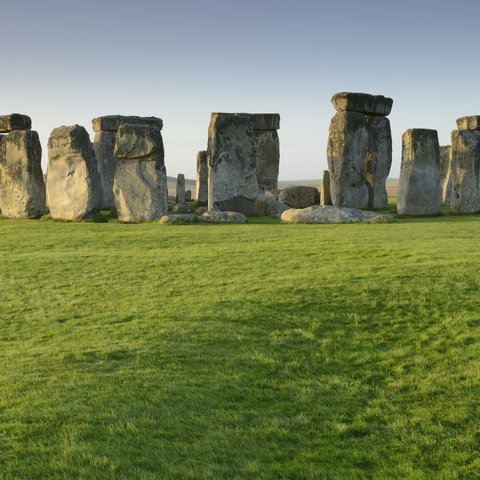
(105, 129)
(202, 178)
(445, 178)
(74, 190)
(22, 188)
(299, 196)
(326, 198)
(140, 184)
(180, 192)
(419, 190)
(359, 150)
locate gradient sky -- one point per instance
(65, 62)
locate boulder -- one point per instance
(232, 182)
(180, 192)
(348, 142)
(419, 190)
(112, 123)
(140, 185)
(445, 180)
(22, 188)
(217, 216)
(469, 123)
(267, 156)
(14, 121)
(104, 145)
(267, 206)
(202, 178)
(74, 189)
(179, 218)
(326, 198)
(299, 196)
(465, 171)
(362, 103)
(182, 208)
(330, 214)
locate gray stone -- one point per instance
(465, 171)
(471, 122)
(202, 178)
(140, 186)
(188, 195)
(232, 176)
(201, 210)
(326, 198)
(179, 218)
(267, 157)
(362, 103)
(299, 196)
(330, 214)
(182, 208)
(346, 153)
(378, 160)
(74, 189)
(445, 180)
(268, 206)
(180, 191)
(266, 121)
(104, 145)
(419, 190)
(216, 216)
(112, 122)
(14, 121)
(22, 188)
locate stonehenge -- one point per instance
(202, 178)
(299, 196)
(180, 192)
(14, 121)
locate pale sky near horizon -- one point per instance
(66, 62)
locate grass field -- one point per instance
(240, 351)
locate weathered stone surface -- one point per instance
(201, 210)
(188, 195)
(202, 178)
(112, 122)
(419, 190)
(232, 177)
(182, 208)
(22, 188)
(216, 216)
(140, 186)
(104, 145)
(326, 198)
(267, 156)
(471, 122)
(346, 153)
(465, 171)
(14, 121)
(74, 188)
(266, 121)
(179, 218)
(299, 196)
(378, 160)
(330, 214)
(267, 206)
(445, 180)
(362, 103)
(180, 192)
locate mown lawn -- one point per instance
(258, 351)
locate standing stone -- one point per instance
(140, 185)
(180, 193)
(74, 189)
(325, 189)
(465, 171)
(346, 152)
(202, 178)
(419, 190)
(14, 121)
(445, 179)
(22, 189)
(188, 195)
(232, 176)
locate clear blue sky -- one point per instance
(65, 62)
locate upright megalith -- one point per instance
(14, 121)
(22, 189)
(445, 170)
(419, 190)
(232, 176)
(326, 198)
(105, 129)
(140, 184)
(74, 190)
(180, 192)
(202, 178)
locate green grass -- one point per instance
(259, 351)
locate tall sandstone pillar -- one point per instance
(202, 178)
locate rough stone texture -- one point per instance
(362, 103)
(445, 180)
(22, 188)
(378, 160)
(188, 195)
(104, 145)
(112, 122)
(179, 218)
(267, 206)
(14, 121)
(267, 156)
(266, 121)
(469, 123)
(346, 153)
(326, 198)
(329, 214)
(201, 210)
(298, 196)
(202, 178)
(182, 208)
(465, 171)
(419, 190)
(216, 216)
(74, 189)
(180, 192)
(140, 186)
(232, 176)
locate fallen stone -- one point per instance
(267, 156)
(326, 198)
(182, 208)
(22, 188)
(14, 121)
(112, 122)
(179, 218)
(299, 196)
(202, 178)
(471, 122)
(268, 206)
(445, 180)
(362, 103)
(419, 190)
(74, 188)
(216, 216)
(104, 145)
(330, 214)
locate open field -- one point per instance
(240, 351)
